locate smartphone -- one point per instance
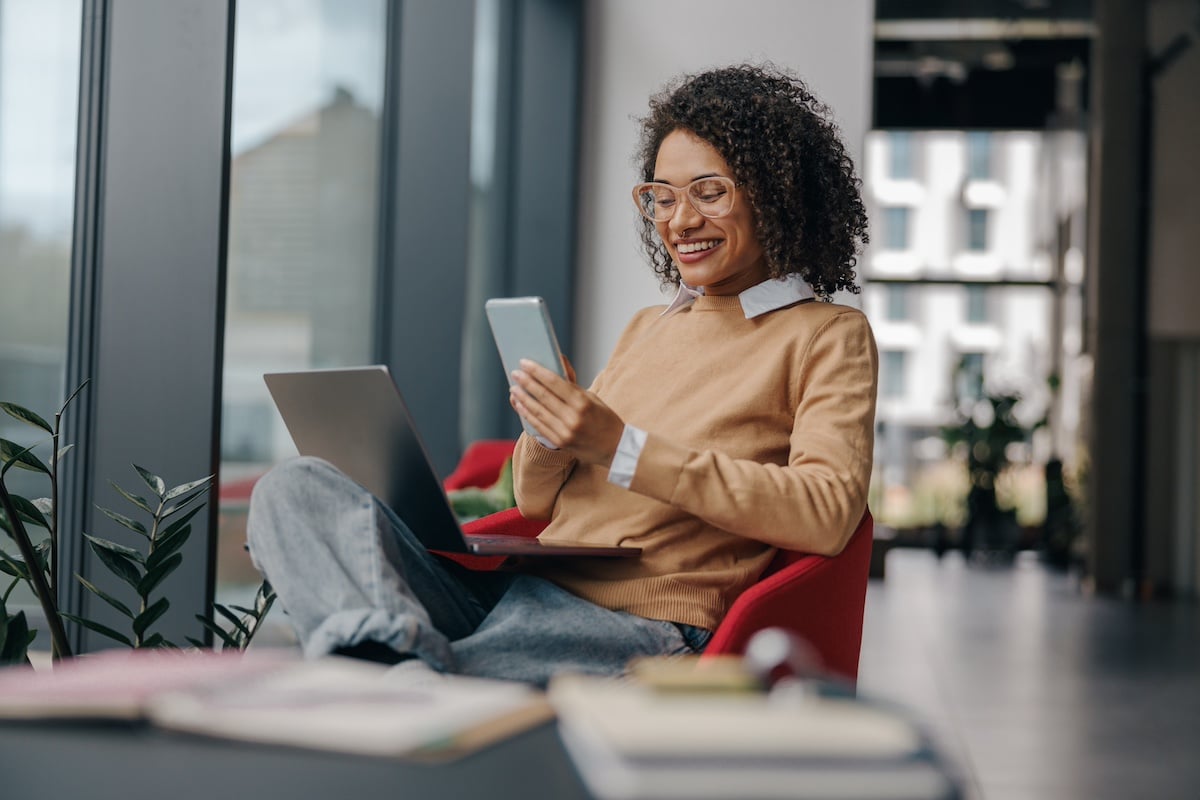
(522, 329)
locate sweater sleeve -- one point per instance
(538, 475)
(540, 472)
(814, 502)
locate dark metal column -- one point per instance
(147, 315)
(1116, 295)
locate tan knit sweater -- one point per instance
(760, 435)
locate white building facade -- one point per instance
(975, 260)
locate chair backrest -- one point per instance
(821, 599)
(480, 464)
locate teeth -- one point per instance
(696, 247)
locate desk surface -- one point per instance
(136, 762)
(119, 762)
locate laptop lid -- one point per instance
(356, 419)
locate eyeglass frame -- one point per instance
(684, 190)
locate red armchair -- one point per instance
(818, 598)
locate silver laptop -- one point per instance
(356, 419)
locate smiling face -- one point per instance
(722, 255)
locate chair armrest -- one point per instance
(821, 599)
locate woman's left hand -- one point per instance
(571, 418)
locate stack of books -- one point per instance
(629, 740)
(334, 703)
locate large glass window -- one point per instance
(303, 206)
(39, 97)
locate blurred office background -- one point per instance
(193, 193)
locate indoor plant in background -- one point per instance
(168, 512)
(988, 425)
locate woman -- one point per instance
(736, 420)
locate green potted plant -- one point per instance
(987, 427)
(167, 512)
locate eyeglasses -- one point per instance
(711, 197)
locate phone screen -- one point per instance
(522, 329)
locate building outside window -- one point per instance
(895, 228)
(977, 304)
(893, 382)
(979, 155)
(954, 310)
(970, 376)
(898, 297)
(900, 155)
(977, 229)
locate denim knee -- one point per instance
(285, 490)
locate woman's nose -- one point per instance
(685, 218)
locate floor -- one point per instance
(1033, 689)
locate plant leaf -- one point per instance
(187, 501)
(103, 630)
(158, 640)
(250, 611)
(137, 500)
(196, 643)
(105, 596)
(42, 549)
(153, 481)
(119, 549)
(121, 519)
(154, 577)
(62, 451)
(166, 547)
(145, 619)
(15, 649)
(11, 565)
(29, 512)
(175, 526)
(232, 617)
(218, 631)
(187, 487)
(75, 393)
(26, 416)
(14, 455)
(118, 565)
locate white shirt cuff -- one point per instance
(624, 462)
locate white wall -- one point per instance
(632, 48)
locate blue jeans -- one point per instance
(348, 570)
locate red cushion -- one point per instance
(480, 465)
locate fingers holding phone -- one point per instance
(568, 416)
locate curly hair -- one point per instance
(786, 155)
